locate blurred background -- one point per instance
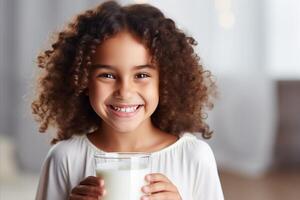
(252, 49)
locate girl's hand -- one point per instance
(91, 188)
(160, 188)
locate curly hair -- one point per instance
(185, 88)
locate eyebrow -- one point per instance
(102, 66)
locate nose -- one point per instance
(125, 90)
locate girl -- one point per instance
(125, 79)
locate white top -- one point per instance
(189, 163)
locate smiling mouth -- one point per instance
(125, 108)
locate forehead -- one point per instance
(123, 49)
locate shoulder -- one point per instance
(193, 143)
(196, 149)
(67, 148)
(189, 146)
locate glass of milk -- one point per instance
(123, 173)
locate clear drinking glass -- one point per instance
(123, 173)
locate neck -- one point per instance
(113, 140)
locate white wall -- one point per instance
(283, 38)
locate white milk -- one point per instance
(123, 183)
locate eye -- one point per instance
(106, 76)
(142, 75)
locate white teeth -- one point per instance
(128, 109)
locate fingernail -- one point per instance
(102, 183)
(148, 177)
(146, 189)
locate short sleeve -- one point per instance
(53, 183)
(207, 185)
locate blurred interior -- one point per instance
(250, 46)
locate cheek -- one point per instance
(151, 92)
(97, 92)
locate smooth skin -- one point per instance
(160, 188)
(123, 75)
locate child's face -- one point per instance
(123, 85)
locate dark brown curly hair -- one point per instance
(185, 88)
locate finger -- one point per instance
(93, 191)
(159, 187)
(156, 177)
(92, 180)
(162, 195)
